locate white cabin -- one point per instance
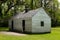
(34, 21)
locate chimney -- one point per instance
(26, 8)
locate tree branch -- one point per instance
(9, 8)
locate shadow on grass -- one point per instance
(3, 28)
(30, 33)
(38, 33)
(56, 27)
(7, 29)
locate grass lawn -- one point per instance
(54, 35)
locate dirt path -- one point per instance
(12, 33)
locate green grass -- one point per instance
(54, 35)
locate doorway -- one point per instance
(12, 25)
(23, 25)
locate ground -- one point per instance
(54, 35)
(12, 33)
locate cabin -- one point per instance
(34, 21)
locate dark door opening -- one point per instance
(12, 25)
(23, 25)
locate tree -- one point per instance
(7, 7)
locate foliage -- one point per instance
(8, 8)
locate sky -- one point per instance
(58, 0)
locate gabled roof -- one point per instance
(28, 14)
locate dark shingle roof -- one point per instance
(28, 14)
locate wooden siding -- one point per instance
(36, 22)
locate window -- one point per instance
(23, 24)
(42, 23)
